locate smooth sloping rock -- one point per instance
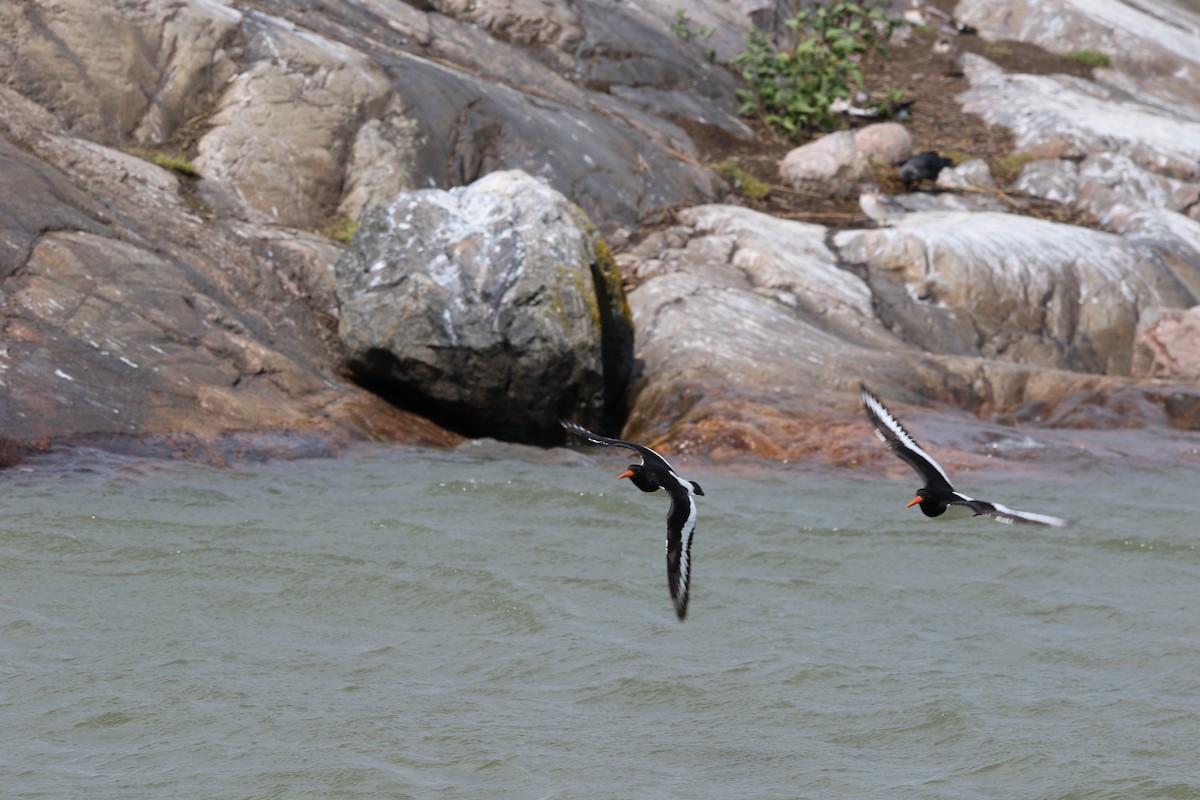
(1152, 43)
(741, 317)
(314, 115)
(1065, 117)
(493, 308)
(135, 324)
(1050, 179)
(1111, 185)
(1174, 237)
(117, 74)
(1001, 285)
(783, 260)
(752, 336)
(46, 201)
(280, 132)
(528, 22)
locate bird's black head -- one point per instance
(641, 477)
(696, 488)
(930, 505)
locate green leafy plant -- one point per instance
(684, 30)
(792, 90)
(891, 105)
(1089, 58)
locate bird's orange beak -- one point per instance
(914, 502)
(628, 474)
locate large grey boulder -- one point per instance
(493, 308)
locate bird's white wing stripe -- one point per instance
(685, 541)
(685, 552)
(901, 434)
(1045, 519)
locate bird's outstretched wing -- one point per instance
(1005, 514)
(681, 526)
(645, 452)
(892, 433)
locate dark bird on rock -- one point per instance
(937, 495)
(655, 473)
(923, 167)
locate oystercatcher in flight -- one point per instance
(937, 495)
(652, 474)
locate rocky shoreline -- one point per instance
(542, 237)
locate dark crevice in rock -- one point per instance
(616, 341)
(382, 373)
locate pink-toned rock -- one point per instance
(889, 142)
(832, 165)
(1168, 345)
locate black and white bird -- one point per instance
(923, 167)
(655, 473)
(937, 495)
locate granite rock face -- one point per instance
(750, 327)
(1013, 288)
(494, 309)
(1168, 345)
(164, 313)
(130, 322)
(300, 100)
(152, 310)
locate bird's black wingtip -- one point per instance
(576, 429)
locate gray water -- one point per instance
(495, 623)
